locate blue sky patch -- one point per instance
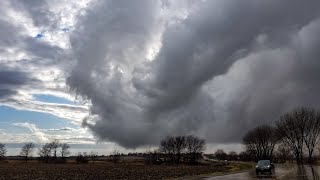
(39, 36)
(53, 99)
(65, 29)
(42, 120)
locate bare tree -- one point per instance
(167, 148)
(220, 154)
(64, 150)
(45, 152)
(283, 152)
(85, 154)
(54, 147)
(291, 128)
(261, 141)
(173, 147)
(115, 156)
(318, 148)
(233, 156)
(246, 156)
(312, 132)
(82, 158)
(93, 156)
(195, 147)
(3, 150)
(179, 147)
(27, 150)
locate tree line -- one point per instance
(296, 132)
(187, 149)
(182, 148)
(48, 152)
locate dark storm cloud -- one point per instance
(278, 80)
(202, 46)
(12, 78)
(102, 50)
(224, 68)
(6, 92)
(10, 81)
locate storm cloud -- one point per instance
(210, 68)
(10, 81)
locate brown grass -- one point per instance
(103, 170)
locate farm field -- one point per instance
(97, 171)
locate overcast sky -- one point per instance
(129, 73)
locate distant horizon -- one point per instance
(105, 149)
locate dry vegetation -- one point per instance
(104, 170)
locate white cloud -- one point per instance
(41, 137)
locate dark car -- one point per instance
(264, 166)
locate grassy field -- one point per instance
(104, 170)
